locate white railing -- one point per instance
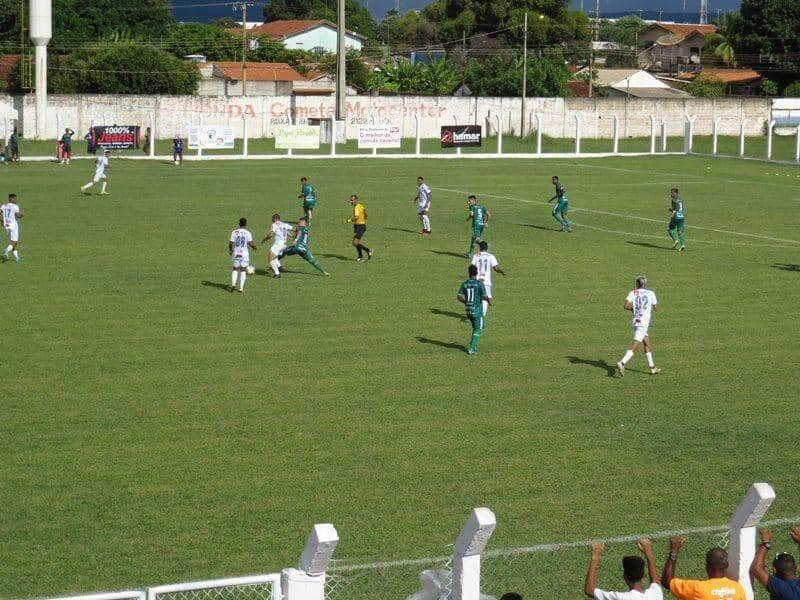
(257, 587)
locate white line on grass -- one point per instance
(622, 216)
(554, 546)
(662, 237)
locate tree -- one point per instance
(721, 45)
(707, 86)
(792, 90)
(625, 31)
(501, 76)
(124, 68)
(770, 38)
(357, 72)
(210, 40)
(269, 50)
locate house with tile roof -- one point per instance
(672, 47)
(314, 35)
(263, 79)
(743, 82)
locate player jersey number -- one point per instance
(641, 304)
(239, 242)
(470, 295)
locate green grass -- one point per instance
(157, 429)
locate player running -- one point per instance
(641, 302)
(479, 215)
(677, 228)
(278, 232)
(177, 150)
(300, 247)
(239, 247)
(66, 146)
(486, 262)
(359, 221)
(100, 166)
(11, 212)
(472, 294)
(309, 197)
(423, 201)
(561, 207)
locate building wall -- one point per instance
(324, 37)
(176, 114)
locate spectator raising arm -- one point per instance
(646, 546)
(675, 545)
(591, 574)
(758, 570)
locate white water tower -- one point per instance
(41, 28)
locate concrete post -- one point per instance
(741, 136)
(652, 134)
(467, 554)
(455, 122)
(743, 523)
(688, 134)
(615, 134)
(333, 136)
(152, 149)
(770, 127)
(797, 146)
(499, 119)
(664, 134)
(538, 133)
(417, 148)
(714, 135)
(308, 581)
(289, 117)
(577, 134)
(245, 146)
(200, 138)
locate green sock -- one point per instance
(671, 233)
(682, 238)
(471, 244)
(314, 263)
(557, 217)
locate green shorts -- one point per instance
(561, 208)
(476, 321)
(675, 223)
(309, 204)
(292, 250)
(477, 232)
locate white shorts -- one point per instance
(240, 263)
(98, 177)
(639, 333)
(276, 249)
(12, 233)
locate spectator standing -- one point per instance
(632, 573)
(90, 147)
(783, 584)
(66, 146)
(717, 587)
(13, 146)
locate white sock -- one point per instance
(9, 249)
(426, 223)
(649, 357)
(16, 254)
(242, 277)
(627, 357)
(87, 186)
(234, 275)
(105, 183)
(421, 220)
(485, 307)
(275, 266)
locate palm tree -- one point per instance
(724, 40)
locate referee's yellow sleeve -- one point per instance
(358, 215)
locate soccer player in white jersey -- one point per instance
(100, 166)
(423, 201)
(239, 246)
(11, 212)
(486, 263)
(641, 302)
(278, 232)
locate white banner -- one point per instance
(296, 137)
(379, 136)
(209, 137)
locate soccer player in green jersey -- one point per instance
(300, 247)
(309, 198)
(677, 228)
(561, 207)
(479, 215)
(472, 294)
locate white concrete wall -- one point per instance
(176, 114)
(324, 37)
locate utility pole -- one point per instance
(341, 62)
(595, 37)
(243, 7)
(524, 74)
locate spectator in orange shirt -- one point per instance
(716, 587)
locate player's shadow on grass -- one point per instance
(338, 257)
(450, 345)
(214, 284)
(449, 313)
(611, 370)
(400, 229)
(787, 267)
(455, 254)
(551, 229)
(647, 245)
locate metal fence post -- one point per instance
(308, 582)
(467, 554)
(743, 533)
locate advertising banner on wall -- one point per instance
(379, 136)
(116, 137)
(210, 138)
(300, 137)
(456, 136)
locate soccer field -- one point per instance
(156, 428)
